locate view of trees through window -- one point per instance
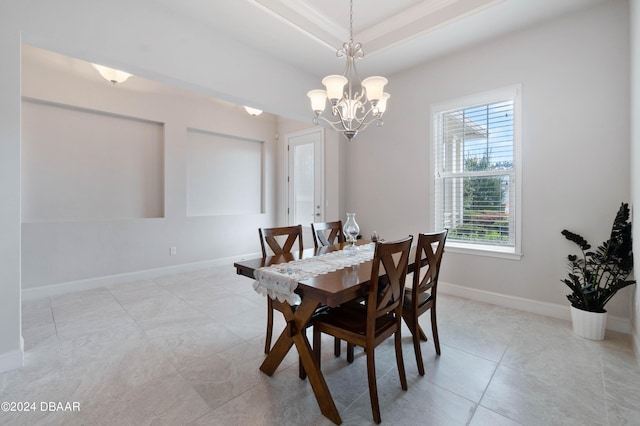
(480, 167)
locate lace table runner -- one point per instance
(280, 281)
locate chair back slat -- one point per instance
(268, 239)
(429, 251)
(320, 236)
(385, 295)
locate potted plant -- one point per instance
(596, 276)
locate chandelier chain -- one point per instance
(351, 21)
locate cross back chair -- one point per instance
(381, 317)
(421, 297)
(268, 239)
(320, 236)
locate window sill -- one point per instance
(483, 250)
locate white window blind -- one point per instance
(475, 180)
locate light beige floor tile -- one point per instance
(92, 324)
(537, 348)
(158, 306)
(169, 280)
(530, 399)
(462, 373)
(197, 344)
(137, 290)
(285, 400)
(226, 375)
(253, 323)
(103, 365)
(485, 417)
(477, 328)
(166, 400)
(41, 379)
(423, 403)
(622, 386)
(169, 325)
(186, 349)
(40, 335)
(36, 313)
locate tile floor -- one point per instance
(185, 350)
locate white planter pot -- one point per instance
(590, 325)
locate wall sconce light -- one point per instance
(253, 111)
(112, 75)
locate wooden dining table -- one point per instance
(330, 289)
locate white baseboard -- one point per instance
(11, 360)
(91, 283)
(553, 310)
(635, 340)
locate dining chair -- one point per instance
(379, 318)
(323, 239)
(273, 238)
(269, 238)
(421, 297)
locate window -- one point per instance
(476, 184)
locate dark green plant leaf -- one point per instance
(581, 242)
(596, 276)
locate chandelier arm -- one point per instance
(364, 117)
(338, 125)
(333, 124)
(343, 120)
(378, 121)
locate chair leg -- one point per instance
(316, 345)
(301, 371)
(336, 347)
(417, 350)
(267, 341)
(434, 329)
(373, 387)
(350, 352)
(400, 359)
(423, 335)
(414, 328)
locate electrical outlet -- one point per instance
(173, 251)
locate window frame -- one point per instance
(512, 93)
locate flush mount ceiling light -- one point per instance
(354, 103)
(112, 75)
(253, 111)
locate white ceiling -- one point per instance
(396, 34)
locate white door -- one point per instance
(306, 177)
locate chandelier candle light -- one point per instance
(358, 104)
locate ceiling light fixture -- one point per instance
(112, 75)
(253, 111)
(358, 104)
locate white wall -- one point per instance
(80, 164)
(635, 159)
(10, 333)
(574, 73)
(58, 251)
(144, 39)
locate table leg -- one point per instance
(295, 334)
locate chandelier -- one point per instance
(355, 103)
